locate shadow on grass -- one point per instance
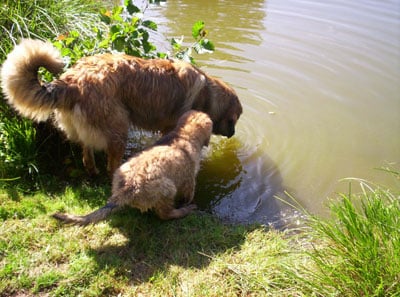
(150, 246)
(225, 180)
(153, 245)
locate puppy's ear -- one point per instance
(207, 141)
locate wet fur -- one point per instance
(153, 178)
(97, 100)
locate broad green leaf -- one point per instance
(103, 43)
(134, 35)
(208, 45)
(115, 29)
(135, 20)
(133, 52)
(74, 34)
(69, 40)
(119, 44)
(145, 35)
(162, 55)
(130, 7)
(148, 46)
(116, 14)
(65, 51)
(150, 24)
(58, 44)
(197, 29)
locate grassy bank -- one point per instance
(354, 253)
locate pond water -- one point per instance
(320, 85)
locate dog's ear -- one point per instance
(230, 128)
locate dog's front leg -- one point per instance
(89, 161)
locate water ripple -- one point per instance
(320, 86)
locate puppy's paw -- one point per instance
(191, 207)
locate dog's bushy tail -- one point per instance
(19, 78)
(92, 218)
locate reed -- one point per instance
(43, 19)
(358, 250)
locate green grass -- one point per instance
(18, 152)
(44, 19)
(360, 253)
(354, 253)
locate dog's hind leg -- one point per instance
(88, 160)
(166, 209)
(160, 196)
(188, 190)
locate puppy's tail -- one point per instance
(19, 78)
(92, 218)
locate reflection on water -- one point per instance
(221, 174)
(241, 185)
(320, 86)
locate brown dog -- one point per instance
(96, 100)
(154, 177)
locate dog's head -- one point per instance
(229, 114)
(221, 103)
(197, 125)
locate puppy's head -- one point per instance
(228, 117)
(196, 125)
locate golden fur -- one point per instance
(153, 178)
(96, 100)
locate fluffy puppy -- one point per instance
(155, 177)
(96, 100)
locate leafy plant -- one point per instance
(124, 29)
(201, 45)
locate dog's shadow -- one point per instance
(151, 245)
